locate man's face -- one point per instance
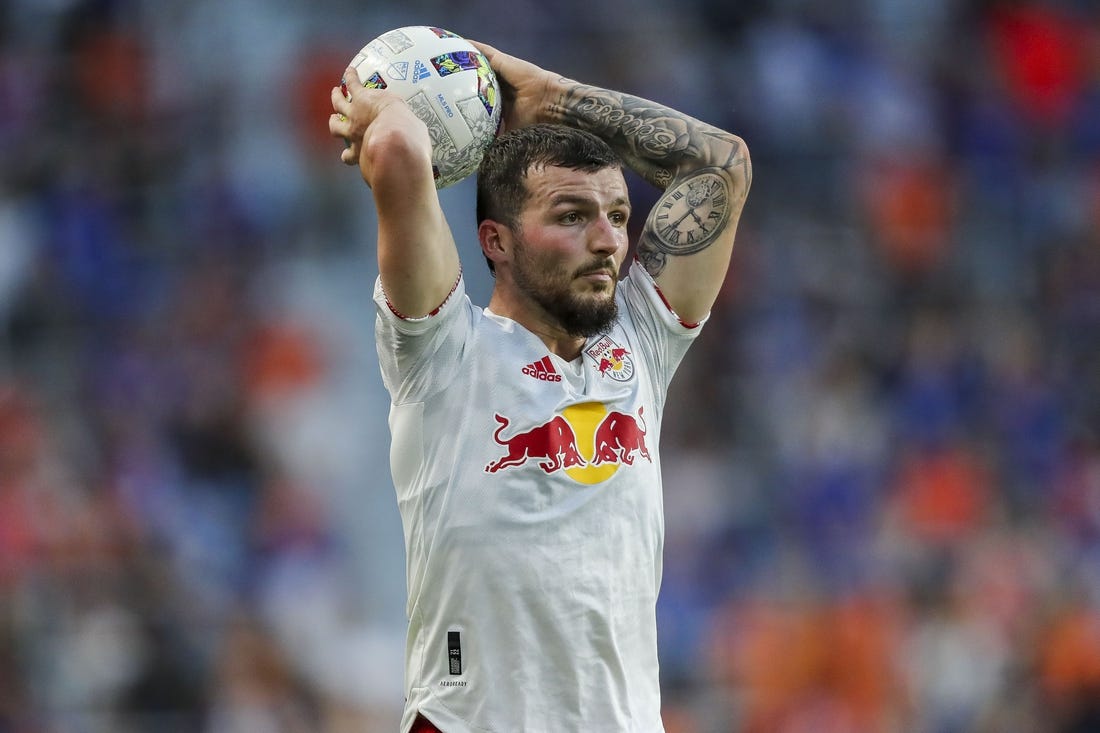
(570, 240)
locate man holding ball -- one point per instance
(525, 434)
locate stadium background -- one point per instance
(882, 458)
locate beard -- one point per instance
(578, 314)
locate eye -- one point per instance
(570, 217)
(618, 218)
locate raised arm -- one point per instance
(705, 173)
(417, 258)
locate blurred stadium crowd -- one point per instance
(882, 458)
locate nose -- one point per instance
(605, 238)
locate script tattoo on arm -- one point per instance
(702, 169)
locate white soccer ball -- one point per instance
(448, 84)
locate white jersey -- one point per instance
(529, 489)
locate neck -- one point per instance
(557, 341)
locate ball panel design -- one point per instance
(447, 83)
(396, 41)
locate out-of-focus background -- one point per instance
(882, 457)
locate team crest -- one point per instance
(611, 359)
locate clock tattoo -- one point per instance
(688, 217)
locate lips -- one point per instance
(601, 272)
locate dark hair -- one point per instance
(501, 187)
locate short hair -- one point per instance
(501, 188)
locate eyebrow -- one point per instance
(566, 198)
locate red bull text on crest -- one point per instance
(611, 359)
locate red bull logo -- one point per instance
(586, 441)
(611, 359)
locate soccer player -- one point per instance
(525, 434)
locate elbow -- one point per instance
(395, 156)
(738, 166)
(724, 154)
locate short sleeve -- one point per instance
(417, 355)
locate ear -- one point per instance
(496, 241)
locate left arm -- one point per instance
(705, 173)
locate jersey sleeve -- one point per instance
(666, 336)
(417, 355)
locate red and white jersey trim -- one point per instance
(434, 311)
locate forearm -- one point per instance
(659, 143)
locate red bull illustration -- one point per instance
(613, 360)
(553, 444)
(586, 441)
(619, 437)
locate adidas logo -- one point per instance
(543, 370)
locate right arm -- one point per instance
(418, 261)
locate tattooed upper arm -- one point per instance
(694, 212)
(687, 219)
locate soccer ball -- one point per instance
(448, 84)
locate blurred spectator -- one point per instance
(887, 518)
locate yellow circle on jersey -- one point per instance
(584, 419)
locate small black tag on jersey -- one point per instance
(454, 652)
